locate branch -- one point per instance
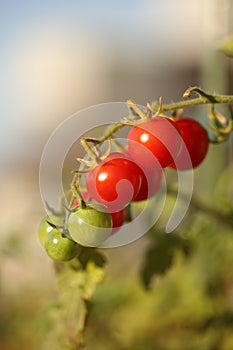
(204, 98)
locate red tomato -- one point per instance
(118, 219)
(114, 182)
(151, 179)
(160, 136)
(196, 140)
(151, 183)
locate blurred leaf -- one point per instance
(159, 256)
(91, 254)
(227, 47)
(216, 321)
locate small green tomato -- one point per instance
(44, 227)
(90, 227)
(60, 248)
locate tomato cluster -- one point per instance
(130, 175)
(135, 174)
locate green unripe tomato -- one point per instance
(90, 227)
(60, 248)
(44, 227)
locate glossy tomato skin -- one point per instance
(90, 226)
(151, 178)
(44, 227)
(160, 136)
(60, 248)
(118, 217)
(114, 182)
(196, 140)
(151, 183)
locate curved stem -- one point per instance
(76, 191)
(88, 149)
(111, 131)
(202, 100)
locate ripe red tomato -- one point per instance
(158, 135)
(151, 183)
(196, 140)
(114, 182)
(151, 178)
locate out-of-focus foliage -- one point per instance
(188, 307)
(77, 283)
(227, 47)
(189, 304)
(161, 254)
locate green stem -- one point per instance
(195, 102)
(76, 192)
(88, 149)
(203, 99)
(111, 131)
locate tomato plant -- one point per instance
(113, 182)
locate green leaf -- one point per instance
(227, 47)
(160, 255)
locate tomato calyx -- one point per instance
(95, 154)
(138, 116)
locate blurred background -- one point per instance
(57, 57)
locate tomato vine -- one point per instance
(71, 239)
